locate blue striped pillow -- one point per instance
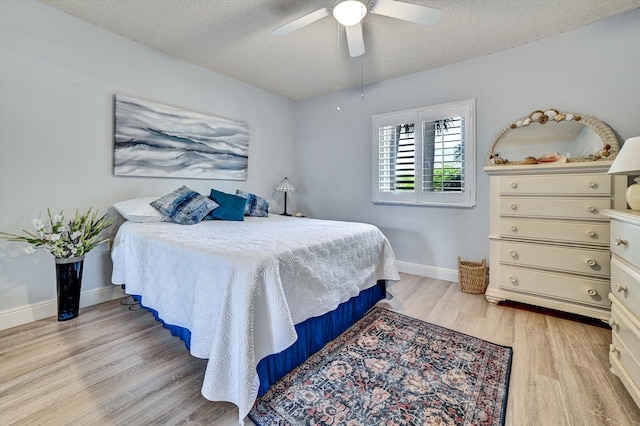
(184, 206)
(256, 206)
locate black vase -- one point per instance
(69, 281)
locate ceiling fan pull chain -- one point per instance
(361, 78)
(362, 70)
(338, 107)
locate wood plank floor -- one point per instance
(114, 366)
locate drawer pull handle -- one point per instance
(592, 292)
(621, 288)
(514, 185)
(613, 349)
(613, 323)
(621, 242)
(514, 206)
(591, 209)
(592, 184)
(591, 262)
(591, 234)
(513, 253)
(513, 279)
(514, 228)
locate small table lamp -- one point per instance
(285, 186)
(627, 162)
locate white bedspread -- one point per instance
(241, 286)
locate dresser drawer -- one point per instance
(590, 233)
(569, 208)
(572, 260)
(625, 284)
(625, 357)
(621, 371)
(557, 286)
(586, 184)
(625, 328)
(625, 241)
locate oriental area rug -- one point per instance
(390, 369)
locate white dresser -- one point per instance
(549, 242)
(624, 353)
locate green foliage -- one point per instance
(448, 177)
(75, 238)
(405, 183)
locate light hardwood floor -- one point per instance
(113, 366)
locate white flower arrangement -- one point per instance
(73, 239)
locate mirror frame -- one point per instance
(552, 116)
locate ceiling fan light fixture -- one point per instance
(349, 12)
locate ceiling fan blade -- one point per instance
(302, 22)
(355, 40)
(405, 11)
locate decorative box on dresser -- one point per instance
(549, 241)
(624, 352)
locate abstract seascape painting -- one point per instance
(161, 141)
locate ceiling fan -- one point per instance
(350, 13)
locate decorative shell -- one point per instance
(553, 157)
(535, 115)
(496, 159)
(530, 160)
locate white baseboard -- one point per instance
(37, 311)
(428, 271)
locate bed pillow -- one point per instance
(140, 210)
(230, 207)
(184, 206)
(256, 206)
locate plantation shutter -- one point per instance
(396, 155)
(387, 154)
(443, 155)
(425, 156)
(405, 159)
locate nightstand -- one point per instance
(624, 353)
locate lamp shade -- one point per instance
(627, 161)
(285, 186)
(349, 12)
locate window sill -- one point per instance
(426, 204)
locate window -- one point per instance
(425, 156)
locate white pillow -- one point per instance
(140, 210)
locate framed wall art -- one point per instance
(156, 140)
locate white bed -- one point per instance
(240, 287)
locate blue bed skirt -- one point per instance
(313, 334)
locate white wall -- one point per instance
(594, 71)
(58, 76)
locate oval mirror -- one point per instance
(553, 136)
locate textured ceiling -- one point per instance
(234, 37)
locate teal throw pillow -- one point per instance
(230, 207)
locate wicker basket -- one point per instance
(472, 276)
